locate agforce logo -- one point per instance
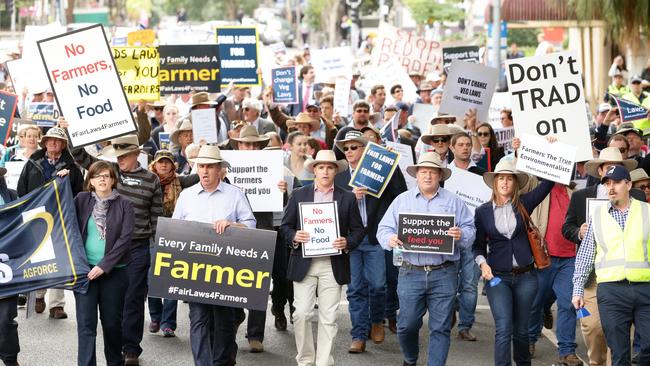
(6, 274)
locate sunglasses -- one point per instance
(623, 150)
(351, 148)
(643, 187)
(123, 146)
(438, 140)
(398, 91)
(483, 134)
(362, 110)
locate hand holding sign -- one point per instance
(394, 241)
(301, 237)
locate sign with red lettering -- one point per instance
(424, 233)
(89, 93)
(321, 221)
(413, 52)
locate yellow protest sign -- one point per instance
(145, 37)
(138, 68)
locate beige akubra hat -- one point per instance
(249, 134)
(209, 154)
(54, 133)
(429, 160)
(352, 135)
(436, 130)
(304, 118)
(505, 166)
(608, 155)
(326, 156)
(186, 125)
(121, 146)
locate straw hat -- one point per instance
(54, 133)
(436, 130)
(249, 134)
(352, 135)
(185, 126)
(157, 104)
(326, 156)
(505, 166)
(429, 160)
(209, 154)
(202, 98)
(608, 155)
(443, 117)
(639, 175)
(424, 86)
(163, 154)
(304, 118)
(121, 146)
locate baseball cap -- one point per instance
(617, 72)
(635, 79)
(313, 103)
(604, 107)
(616, 172)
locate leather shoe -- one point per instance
(392, 325)
(357, 347)
(377, 333)
(466, 335)
(154, 326)
(131, 359)
(571, 360)
(39, 306)
(256, 346)
(280, 319)
(58, 313)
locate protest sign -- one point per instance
(35, 78)
(548, 99)
(321, 221)
(500, 101)
(389, 73)
(375, 169)
(8, 103)
(144, 37)
(204, 125)
(330, 63)
(191, 262)
(43, 114)
(552, 161)
(469, 86)
(278, 47)
(89, 92)
(14, 168)
(257, 173)
(238, 55)
(342, 96)
(464, 53)
(469, 187)
(191, 67)
(593, 204)
(138, 68)
(628, 110)
(12, 138)
(18, 73)
(285, 85)
(423, 114)
(424, 233)
(504, 137)
(164, 140)
(405, 159)
(414, 53)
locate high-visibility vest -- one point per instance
(642, 124)
(618, 91)
(622, 254)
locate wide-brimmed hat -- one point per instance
(429, 160)
(304, 118)
(352, 135)
(209, 154)
(185, 126)
(163, 154)
(628, 127)
(157, 104)
(373, 129)
(249, 134)
(608, 155)
(121, 146)
(637, 175)
(326, 156)
(424, 86)
(202, 98)
(435, 119)
(436, 130)
(54, 133)
(505, 166)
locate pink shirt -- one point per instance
(323, 196)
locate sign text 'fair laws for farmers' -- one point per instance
(89, 92)
(375, 169)
(189, 67)
(191, 262)
(321, 221)
(423, 233)
(285, 85)
(138, 68)
(548, 99)
(238, 55)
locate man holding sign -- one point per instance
(427, 281)
(324, 274)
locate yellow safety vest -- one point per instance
(622, 254)
(642, 124)
(620, 91)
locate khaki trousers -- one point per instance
(592, 331)
(56, 298)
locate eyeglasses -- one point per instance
(102, 176)
(438, 140)
(362, 110)
(623, 150)
(643, 187)
(123, 146)
(483, 134)
(352, 148)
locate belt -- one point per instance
(430, 268)
(524, 269)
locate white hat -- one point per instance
(209, 154)
(429, 160)
(121, 146)
(505, 166)
(326, 156)
(608, 155)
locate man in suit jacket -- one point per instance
(322, 274)
(252, 108)
(366, 291)
(575, 228)
(306, 90)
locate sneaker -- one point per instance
(570, 360)
(58, 313)
(40, 305)
(131, 359)
(154, 326)
(168, 333)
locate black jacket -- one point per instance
(33, 175)
(7, 194)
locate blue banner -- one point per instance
(7, 109)
(44, 114)
(40, 243)
(375, 169)
(285, 85)
(238, 55)
(629, 111)
(164, 141)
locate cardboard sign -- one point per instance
(8, 103)
(89, 92)
(144, 37)
(14, 168)
(593, 204)
(464, 53)
(331, 63)
(18, 73)
(405, 159)
(548, 99)
(500, 101)
(342, 96)
(424, 233)
(414, 53)
(191, 67)
(469, 86)
(35, 78)
(504, 137)
(238, 55)
(138, 68)
(204, 125)
(388, 74)
(469, 187)
(423, 114)
(539, 157)
(321, 221)
(43, 114)
(257, 173)
(284, 81)
(191, 262)
(375, 169)
(164, 140)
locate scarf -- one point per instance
(100, 210)
(171, 190)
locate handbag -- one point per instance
(537, 244)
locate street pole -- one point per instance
(496, 33)
(13, 16)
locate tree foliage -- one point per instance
(523, 37)
(201, 10)
(429, 11)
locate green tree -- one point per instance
(429, 11)
(523, 37)
(201, 10)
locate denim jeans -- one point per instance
(163, 311)
(419, 292)
(136, 295)
(556, 279)
(366, 290)
(467, 297)
(9, 346)
(392, 301)
(510, 303)
(212, 335)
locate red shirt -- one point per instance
(558, 246)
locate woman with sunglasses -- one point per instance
(397, 92)
(485, 136)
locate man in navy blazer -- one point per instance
(322, 274)
(306, 87)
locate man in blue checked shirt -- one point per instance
(427, 281)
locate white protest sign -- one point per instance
(405, 159)
(504, 137)
(321, 221)
(14, 168)
(18, 71)
(552, 161)
(469, 187)
(89, 92)
(204, 125)
(36, 78)
(469, 85)
(342, 96)
(413, 53)
(548, 99)
(593, 204)
(331, 63)
(500, 101)
(388, 74)
(257, 174)
(423, 114)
